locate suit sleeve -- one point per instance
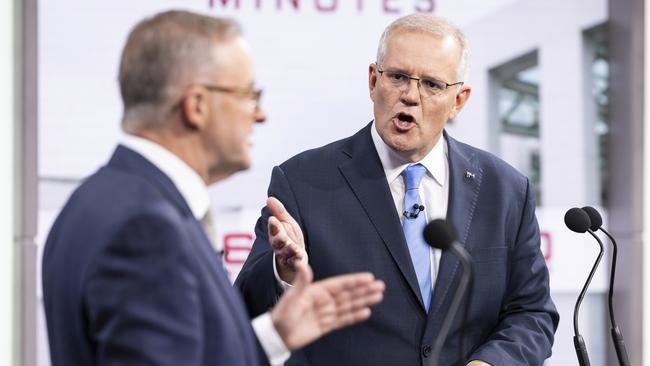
(141, 298)
(256, 281)
(528, 319)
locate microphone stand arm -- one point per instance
(617, 336)
(466, 262)
(578, 341)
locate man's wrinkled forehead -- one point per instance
(409, 41)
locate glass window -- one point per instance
(599, 75)
(517, 112)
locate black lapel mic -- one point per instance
(577, 220)
(442, 235)
(617, 336)
(415, 211)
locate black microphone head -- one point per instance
(577, 220)
(594, 217)
(440, 234)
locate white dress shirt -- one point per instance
(195, 193)
(434, 188)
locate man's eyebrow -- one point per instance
(424, 76)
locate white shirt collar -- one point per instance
(435, 161)
(186, 180)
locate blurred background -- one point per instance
(558, 92)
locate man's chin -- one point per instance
(401, 145)
(406, 151)
(242, 165)
(245, 166)
(227, 169)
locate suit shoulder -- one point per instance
(321, 156)
(113, 209)
(489, 163)
(110, 198)
(120, 188)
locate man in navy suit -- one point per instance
(359, 204)
(129, 274)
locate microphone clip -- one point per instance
(415, 211)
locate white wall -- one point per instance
(9, 309)
(646, 191)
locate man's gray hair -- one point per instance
(435, 25)
(163, 55)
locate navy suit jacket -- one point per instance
(129, 278)
(340, 197)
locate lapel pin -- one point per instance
(469, 175)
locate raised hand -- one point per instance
(287, 242)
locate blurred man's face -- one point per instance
(232, 113)
(409, 120)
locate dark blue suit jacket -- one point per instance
(339, 195)
(129, 278)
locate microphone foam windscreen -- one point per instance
(440, 234)
(594, 217)
(577, 220)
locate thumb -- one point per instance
(274, 226)
(277, 209)
(304, 276)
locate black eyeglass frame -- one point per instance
(255, 95)
(447, 85)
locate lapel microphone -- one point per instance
(577, 220)
(415, 211)
(441, 235)
(617, 336)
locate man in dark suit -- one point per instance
(361, 204)
(129, 274)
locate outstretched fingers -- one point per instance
(348, 299)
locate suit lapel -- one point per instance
(365, 175)
(223, 287)
(465, 177)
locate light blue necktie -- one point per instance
(413, 227)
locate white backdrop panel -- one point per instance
(312, 63)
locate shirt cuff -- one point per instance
(476, 360)
(273, 346)
(283, 285)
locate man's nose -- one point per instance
(260, 115)
(411, 93)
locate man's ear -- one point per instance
(461, 98)
(195, 107)
(372, 80)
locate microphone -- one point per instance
(617, 336)
(416, 209)
(577, 220)
(442, 235)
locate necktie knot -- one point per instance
(413, 175)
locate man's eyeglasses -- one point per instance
(253, 95)
(429, 87)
